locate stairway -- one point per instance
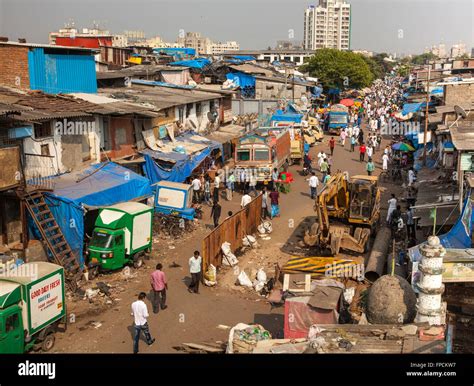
(53, 238)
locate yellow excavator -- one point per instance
(355, 203)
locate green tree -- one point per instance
(423, 58)
(341, 69)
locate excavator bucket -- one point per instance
(357, 242)
(311, 236)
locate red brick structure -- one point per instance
(14, 66)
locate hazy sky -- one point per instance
(255, 24)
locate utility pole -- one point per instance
(426, 114)
(293, 86)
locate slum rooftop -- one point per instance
(38, 106)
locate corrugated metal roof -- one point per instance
(6, 108)
(140, 70)
(52, 46)
(450, 108)
(38, 106)
(463, 136)
(252, 69)
(160, 97)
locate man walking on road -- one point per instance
(353, 142)
(332, 143)
(313, 185)
(324, 167)
(140, 315)
(370, 167)
(362, 150)
(159, 286)
(385, 161)
(216, 213)
(196, 183)
(195, 263)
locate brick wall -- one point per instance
(14, 66)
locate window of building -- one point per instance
(198, 109)
(181, 114)
(43, 130)
(45, 149)
(189, 107)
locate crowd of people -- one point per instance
(376, 109)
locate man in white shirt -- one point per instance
(313, 184)
(356, 131)
(411, 177)
(140, 315)
(195, 263)
(385, 161)
(196, 183)
(253, 184)
(370, 150)
(246, 199)
(392, 205)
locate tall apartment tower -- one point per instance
(328, 25)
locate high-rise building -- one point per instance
(328, 25)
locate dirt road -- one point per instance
(195, 317)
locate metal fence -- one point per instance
(232, 230)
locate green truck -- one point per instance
(122, 235)
(32, 305)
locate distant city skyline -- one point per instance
(393, 26)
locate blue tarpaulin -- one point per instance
(244, 58)
(176, 52)
(183, 164)
(199, 63)
(437, 91)
(108, 185)
(287, 117)
(458, 237)
(241, 80)
(411, 108)
(316, 91)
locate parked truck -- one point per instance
(262, 151)
(296, 139)
(338, 118)
(32, 305)
(122, 235)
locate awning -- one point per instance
(95, 187)
(183, 163)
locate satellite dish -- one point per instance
(460, 111)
